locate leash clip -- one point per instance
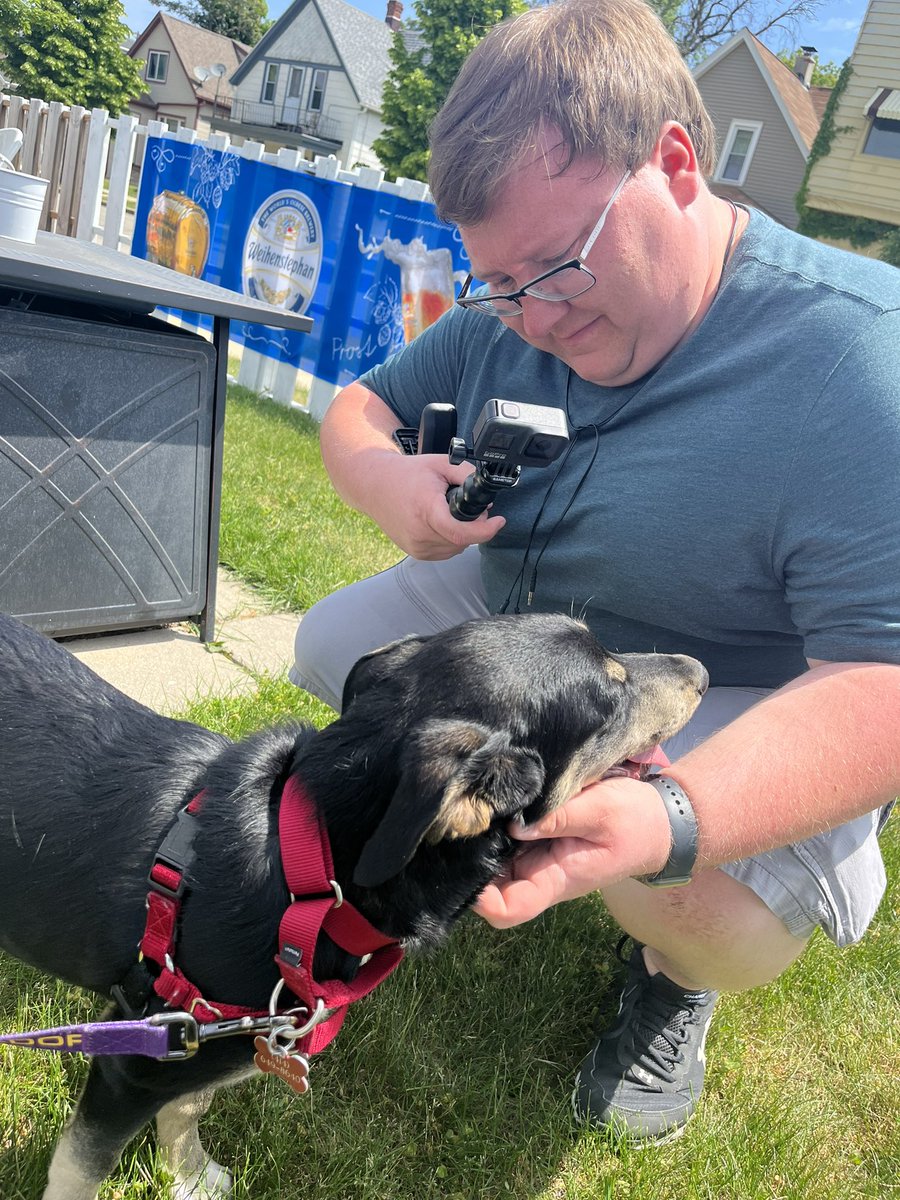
(184, 1029)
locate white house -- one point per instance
(315, 81)
(185, 72)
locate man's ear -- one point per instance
(456, 778)
(677, 159)
(377, 666)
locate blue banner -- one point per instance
(371, 270)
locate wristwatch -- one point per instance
(683, 823)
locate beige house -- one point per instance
(314, 81)
(186, 70)
(766, 116)
(860, 175)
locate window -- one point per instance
(734, 161)
(157, 66)
(317, 91)
(883, 139)
(295, 83)
(270, 82)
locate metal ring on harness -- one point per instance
(290, 1032)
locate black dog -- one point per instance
(442, 741)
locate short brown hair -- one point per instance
(605, 73)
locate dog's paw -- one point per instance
(212, 1183)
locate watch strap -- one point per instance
(683, 824)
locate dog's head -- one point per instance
(495, 718)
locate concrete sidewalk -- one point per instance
(166, 668)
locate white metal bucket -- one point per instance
(21, 203)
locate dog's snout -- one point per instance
(696, 674)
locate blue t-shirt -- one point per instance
(740, 503)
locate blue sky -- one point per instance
(832, 31)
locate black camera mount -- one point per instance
(507, 437)
(469, 499)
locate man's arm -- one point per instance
(816, 753)
(405, 495)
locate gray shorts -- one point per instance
(834, 880)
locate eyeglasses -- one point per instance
(570, 279)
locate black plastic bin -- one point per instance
(105, 468)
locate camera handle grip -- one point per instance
(437, 428)
(469, 499)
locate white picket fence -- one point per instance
(92, 159)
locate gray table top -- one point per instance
(64, 266)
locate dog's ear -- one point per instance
(373, 668)
(455, 779)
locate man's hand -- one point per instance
(405, 495)
(409, 502)
(609, 832)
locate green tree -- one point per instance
(244, 20)
(824, 74)
(70, 52)
(423, 66)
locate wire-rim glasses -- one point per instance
(570, 279)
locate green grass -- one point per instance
(452, 1081)
(283, 528)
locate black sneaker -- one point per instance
(644, 1077)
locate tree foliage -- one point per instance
(423, 66)
(698, 26)
(824, 74)
(70, 52)
(244, 20)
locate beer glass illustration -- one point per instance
(426, 279)
(178, 234)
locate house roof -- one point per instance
(727, 191)
(801, 107)
(360, 40)
(196, 47)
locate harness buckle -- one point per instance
(174, 856)
(183, 1032)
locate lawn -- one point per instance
(453, 1080)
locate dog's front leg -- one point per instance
(109, 1113)
(194, 1173)
(76, 1171)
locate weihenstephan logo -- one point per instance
(283, 251)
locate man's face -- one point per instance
(651, 280)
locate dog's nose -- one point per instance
(697, 674)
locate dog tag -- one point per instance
(292, 1068)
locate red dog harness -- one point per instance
(316, 905)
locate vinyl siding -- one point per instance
(846, 180)
(358, 150)
(734, 90)
(306, 43)
(176, 96)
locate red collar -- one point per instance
(316, 905)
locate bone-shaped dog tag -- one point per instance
(292, 1068)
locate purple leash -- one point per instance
(100, 1037)
(165, 1035)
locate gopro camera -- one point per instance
(507, 437)
(522, 435)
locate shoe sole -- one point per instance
(636, 1141)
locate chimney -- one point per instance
(804, 64)
(393, 19)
